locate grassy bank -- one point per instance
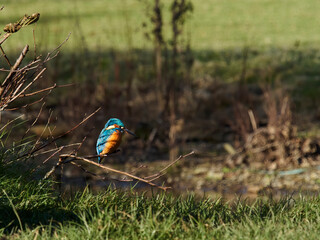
(32, 211)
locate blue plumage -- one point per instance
(113, 126)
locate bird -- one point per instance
(110, 137)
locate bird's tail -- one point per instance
(99, 159)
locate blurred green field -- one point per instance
(214, 25)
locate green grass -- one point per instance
(117, 215)
(215, 25)
(219, 31)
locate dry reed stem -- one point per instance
(252, 120)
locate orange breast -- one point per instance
(113, 143)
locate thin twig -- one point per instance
(27, 67)
(46, 89)
(32, 103)
(62, 135)
(56, 49)
(29, 85)
(48, 174)
(5, 37)
(43, 131)
(80, 145)
(54, 149)
(5, 56)
(34, 44)
(86, 171)
(15, 66)
(53, 154)
(162, 172)
(35, 121)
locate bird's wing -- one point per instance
(103, 138)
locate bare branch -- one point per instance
(46, 89)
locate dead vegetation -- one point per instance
(276, 145)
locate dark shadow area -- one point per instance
(29, 202)
(34, 217)
(296, 67)
(212, 82)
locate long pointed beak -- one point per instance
(128, 131)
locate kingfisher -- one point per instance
(110, 137)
